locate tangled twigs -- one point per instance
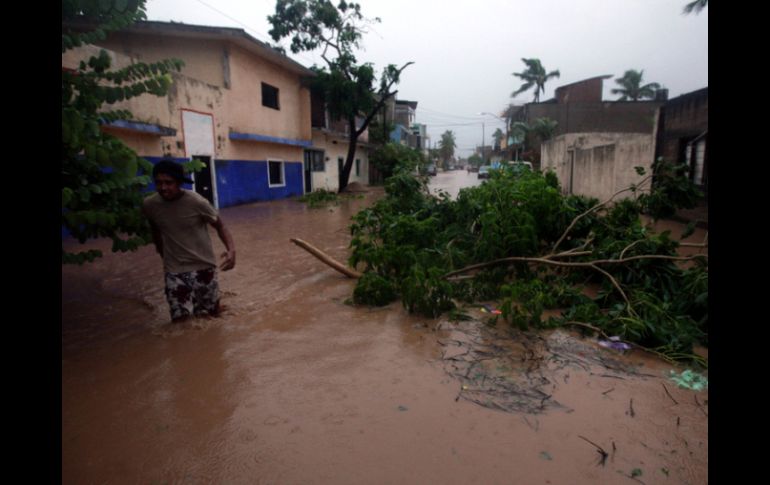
(599, 449)
(595, 208)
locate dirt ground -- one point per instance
(294, 386)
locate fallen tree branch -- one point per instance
(596, 207)
(350, 273)
(583, 264)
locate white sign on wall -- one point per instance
(198, 133)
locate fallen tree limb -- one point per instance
(596, 207)
(350, 273)
(585, 264)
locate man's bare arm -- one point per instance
(227, 240)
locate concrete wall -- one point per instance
(610, 117)
(685, 117)
(602, 163)
(589, 90)
(245, 111)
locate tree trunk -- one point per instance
(352, 143)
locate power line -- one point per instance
(258, 35)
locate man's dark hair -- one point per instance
(171, 168)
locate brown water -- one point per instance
(294, 386)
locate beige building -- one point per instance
(238, 105)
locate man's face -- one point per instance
(167, 186)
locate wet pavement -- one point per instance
(293, 385)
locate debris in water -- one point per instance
(599, 449)
(614, 343)
(690, 380)
(545, 455)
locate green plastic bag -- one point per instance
(690, 380)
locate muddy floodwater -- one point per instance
(293, 385)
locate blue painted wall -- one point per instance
(241, 182)
(244, 181)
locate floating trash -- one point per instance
(614, 343)
(690, 380)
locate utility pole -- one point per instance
(483, 159)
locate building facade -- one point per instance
(238, 105)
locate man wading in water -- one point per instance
(178, 218)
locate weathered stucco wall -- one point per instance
(603, 117)
(203, 59)
(598, 164)
(235, 105)
(246, 114)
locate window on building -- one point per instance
(270, 96)
(358, 167)
(318, 162)
(276, 174)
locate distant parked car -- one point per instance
(431, 169)
(484, 171)
(520, 163)
(473, 168)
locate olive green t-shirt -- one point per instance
(183, 224)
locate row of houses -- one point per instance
(241, 107)
(597, 144)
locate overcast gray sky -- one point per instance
(465, 51)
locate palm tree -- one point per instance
(498, 135)
(535, 76)
(695, 6)
(447, 146)
(632, 88)
(543, 128)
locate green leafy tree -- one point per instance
(497, 136)
(543, 129)
(631, 87)
(534, 76)
(695, 6)
(102, 179)
(346, 86)
(447, 146)
(393, 157)
(475, 160)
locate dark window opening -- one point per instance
(317, 163)
(270, 96)
(276, 173)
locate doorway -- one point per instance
(202, 179)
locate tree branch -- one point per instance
(597, 206)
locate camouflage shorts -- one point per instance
(192, 293)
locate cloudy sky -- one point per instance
(466, 51)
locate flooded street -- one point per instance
(293, 385)
(451, 182)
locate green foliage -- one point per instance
(447, 146)
(631, 88)
(103, 181)
(475, 160)
(374, 290)
(393, 157)
(319, 198)
(347, 87)
(426, 292)
(673, 190)
(533, 76)
(411, 239)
